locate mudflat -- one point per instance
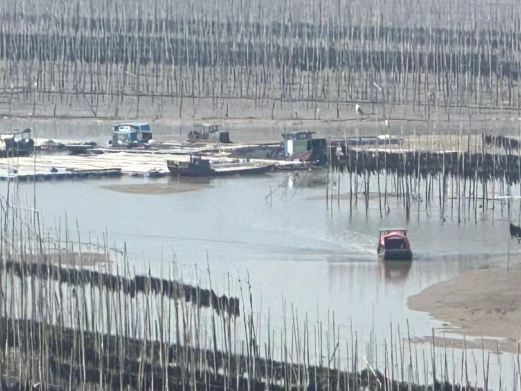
(154, 188)
(484, 303)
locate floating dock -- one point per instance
(107, 163)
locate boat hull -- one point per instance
(196, 171)
(395, 254)
(244, 171)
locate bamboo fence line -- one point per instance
(167, 56)
(465, 183)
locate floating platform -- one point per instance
(109, 163)
(110, 172)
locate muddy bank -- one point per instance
(153, 188)
(483, 302)
(246, 121)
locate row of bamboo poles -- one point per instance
(106, 54)
(465, 183)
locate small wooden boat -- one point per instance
(199, 167)
(393, 244)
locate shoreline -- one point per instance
(248, 122)
(484, 303)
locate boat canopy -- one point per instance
(298, 135)
(393, 230)
(132, 127)
(393, 235)
(131, 133)
(17, 133)
(394, 239)
(206, 127)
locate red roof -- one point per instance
(393, 234)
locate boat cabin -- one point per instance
(130, 134)
(199, 163)
(301, 145)
(296, 143)
(394, 244)
(207, 128)
(17, 143)
(198, 166)
(209, 132)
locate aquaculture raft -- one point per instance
(134, 163)
(57, 174)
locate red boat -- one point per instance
(393, 244)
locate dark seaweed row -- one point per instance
(482, 166)
(502, 141)
(208, 26)
(131, 49)
(131, 286)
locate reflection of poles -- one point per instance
(508, 198)
(509, 236)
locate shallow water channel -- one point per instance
(277, 232)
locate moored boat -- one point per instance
(131, 135)
(18, 143)
(393, 244)
(199, 167)
(209, 133)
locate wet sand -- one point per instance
(484, 302)
(153, 188)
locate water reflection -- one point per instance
(200, 181)
(308, 179)
(395, 270)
